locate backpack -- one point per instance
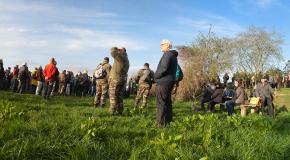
(179, 73)
(100, 72)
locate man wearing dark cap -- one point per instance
(102, 82)
(145, 78)
(265, 92)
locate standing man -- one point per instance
(62, 82)
(49, 73)
(40, 80)
(118, 79)
(102, 82)
(8, 78)
(22, 77)
(165, 79)
(14, 83)
(2, 74)
(33, 81)
(146, 78)
(68, 79)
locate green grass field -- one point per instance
(70, 128)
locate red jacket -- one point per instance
(49, 71)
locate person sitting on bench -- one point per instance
(216, 98)
(239, 97)
(207, 92)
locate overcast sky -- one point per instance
(79, 34)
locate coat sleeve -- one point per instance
(162, 67)
(214, 95)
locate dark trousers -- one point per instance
(211, 105)
(163, 104)
(48, 89)
(14, 84)
(268, 102)
(1, 84)
(203, 101)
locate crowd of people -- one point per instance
(110, 82)
(20, 80)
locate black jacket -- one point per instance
(166, 70)
(207, 92)
(2, 73)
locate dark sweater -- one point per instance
(166, 70)
(217, 95)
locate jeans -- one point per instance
(230, 106)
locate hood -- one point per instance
(174, 52)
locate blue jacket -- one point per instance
(166, 70)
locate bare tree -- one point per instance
(202, 62)
(255, 50)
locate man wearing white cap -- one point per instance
(165, 77)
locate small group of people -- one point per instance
(229, 96)
(111, 80)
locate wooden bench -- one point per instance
(253, 104)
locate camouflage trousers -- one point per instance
(101, 93)
(116, 90)
(143, 93)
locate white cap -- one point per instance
(24, 63)
(85, 71)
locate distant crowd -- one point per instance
(110, 82)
